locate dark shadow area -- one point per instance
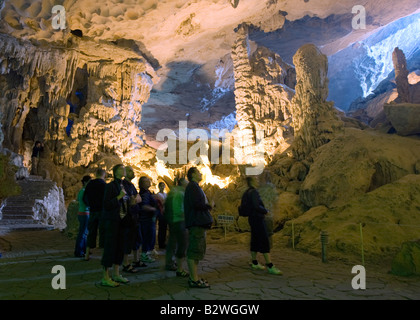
(139, 48)
(287, 40)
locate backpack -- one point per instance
(243, 209)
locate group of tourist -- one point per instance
(125, 221)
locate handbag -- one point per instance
(203, 219)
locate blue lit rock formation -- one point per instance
(356, 71)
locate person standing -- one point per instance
(115, 208)
(260, 242)
(83, 217)
(175, 217)
(94, 197)
(162, 223)
(195, 202)
(130, 223)
(148, 214)
(36, 153)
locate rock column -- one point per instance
(314, 119)
(401, 75)
(261, 95)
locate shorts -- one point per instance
(197, 243)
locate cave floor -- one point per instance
(29, 256)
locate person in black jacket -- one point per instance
(131, 226)
(148, 214)
(115, 208)
(94, 198)
(259, 235)
(195, 201)
(36, 153)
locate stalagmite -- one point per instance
(401, 75)
(314, 119)
(261, 95)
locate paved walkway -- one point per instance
(29, 256)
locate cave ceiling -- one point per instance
(185, 40)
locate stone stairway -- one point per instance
(18, 213)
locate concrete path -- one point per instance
(29, 256)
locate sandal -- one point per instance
(204, 280)
(198, 284)
(109, 283)
(120, 279)
(130, 269)
(139, 264)
(182, 273)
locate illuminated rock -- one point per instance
(315, 121)
(404, 117)
(404, 111)
(110, 120)
(261, 94)
(401, 75)
(44, 89)
(357, 162)
(388, 214)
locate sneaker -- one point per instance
(109, 283)
(146, 258)
(258, 266)
(274, 270)
(120, 279)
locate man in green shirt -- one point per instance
(174, 215)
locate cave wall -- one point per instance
(83, 107)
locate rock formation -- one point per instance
(405, 117)
(407, 261)
(401, 75)
(82, 106)
(357, 162)
(110, 119)
(404, 111)
(388, 215)
(314, 120)
(262, 94)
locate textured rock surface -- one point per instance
(32, 77)
(8, 185)
(262, 93)
(355, 163)
(407, 260)
(401, 75)
(82, 106)
(404, 117)
(314, 119)
(388, 214)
